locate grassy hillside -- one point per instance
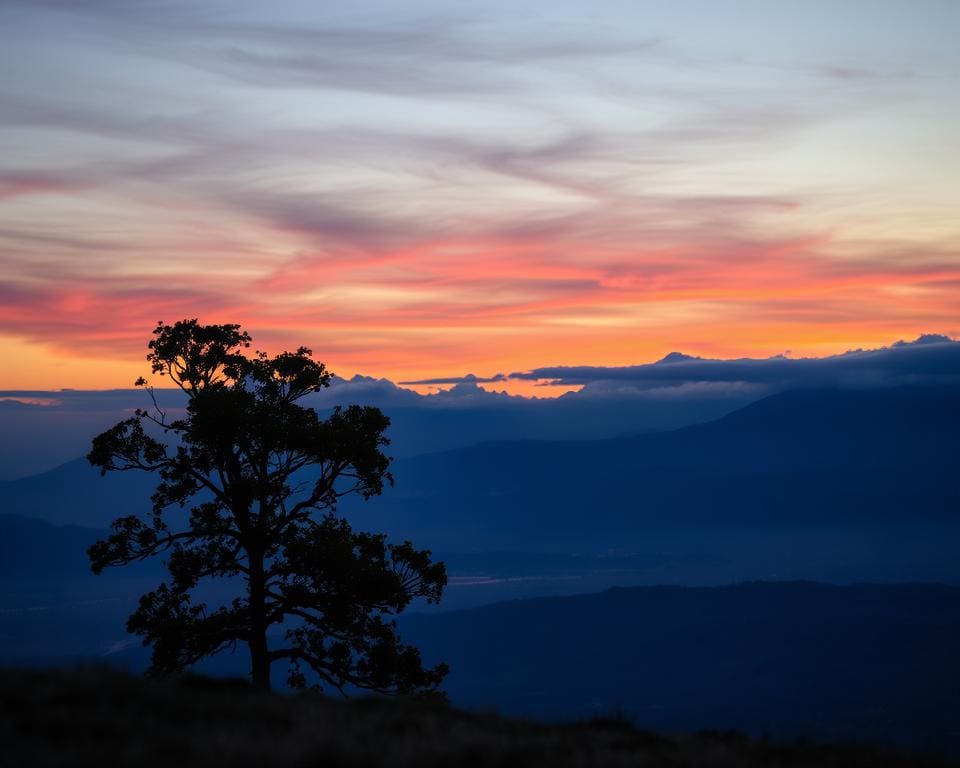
(95, 717)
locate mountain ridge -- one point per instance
(802, 460)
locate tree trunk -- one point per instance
(259, 653)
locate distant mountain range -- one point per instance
(837, 485)
(796, 460)
(45, 428)
(51, 428)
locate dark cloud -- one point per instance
(932, 358)
(468, 379)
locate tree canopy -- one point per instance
(247, 492)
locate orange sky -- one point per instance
(488, 309)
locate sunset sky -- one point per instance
(419, 190)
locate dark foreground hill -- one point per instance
(875, 664)
(95, 717)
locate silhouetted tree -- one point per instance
(262, 475)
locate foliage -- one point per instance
(261, 475)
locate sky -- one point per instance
(424, 190)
